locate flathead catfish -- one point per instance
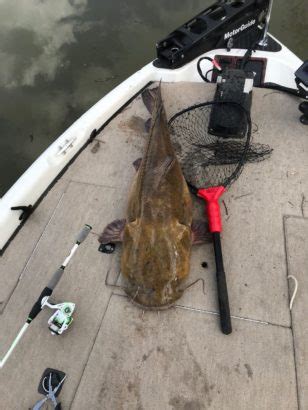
(158, 231)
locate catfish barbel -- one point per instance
(158, 231)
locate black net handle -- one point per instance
(222, 290)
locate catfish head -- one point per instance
(155, 259)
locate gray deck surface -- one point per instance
(116, 356)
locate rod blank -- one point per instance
(14, 344)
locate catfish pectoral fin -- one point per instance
(113, 232)
(200, 232)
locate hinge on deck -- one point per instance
(68, 144)
(26, 211)
(92, 135)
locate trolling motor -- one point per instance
(225, 24)
(62, 318)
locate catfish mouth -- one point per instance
(152, 299)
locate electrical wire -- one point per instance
(216, 66)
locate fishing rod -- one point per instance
(62, 318)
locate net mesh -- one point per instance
(210, 160)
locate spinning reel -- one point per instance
(62, 318)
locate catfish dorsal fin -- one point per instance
(160, 172)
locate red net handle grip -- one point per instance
(212, 195)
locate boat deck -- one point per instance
(118, 357)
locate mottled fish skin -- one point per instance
(157, 236)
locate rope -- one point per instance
(295, 290)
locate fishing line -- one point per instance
(294, 291)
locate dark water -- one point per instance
(58, 57)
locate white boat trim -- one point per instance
(30, 187)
